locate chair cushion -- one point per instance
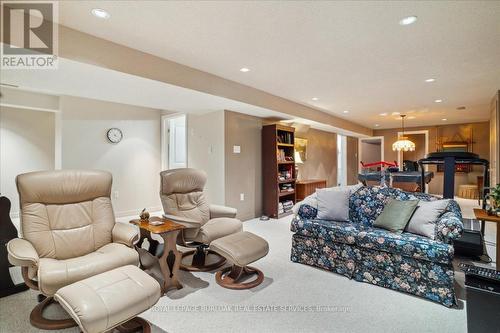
(54, 274)
(104, 301)
(217, 228)
(241, 248)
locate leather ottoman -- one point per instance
(241, 248)
(110, 299)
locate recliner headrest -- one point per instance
(63, 186)
(183, 180)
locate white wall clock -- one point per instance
(114, 135)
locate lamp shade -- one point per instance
(297, 158)
(403, 144)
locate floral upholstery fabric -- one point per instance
(404, 262)
(406, 244)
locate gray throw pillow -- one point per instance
(423, 221)
(396, 215)
(333, 205)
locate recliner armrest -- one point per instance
(187, 222)
(222, 211)
(125, 234)
(22, 253)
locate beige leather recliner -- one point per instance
(184, 202)
(68, 232)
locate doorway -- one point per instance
(371, 150)
(421, 141)
(174, 142)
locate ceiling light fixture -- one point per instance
(346, 111)
(100, 13)
(244, 70)
(377, 125)
(408, 20)
(430, 80)
(403, 144)
(315, 98)
(444, 119)
(438, 100)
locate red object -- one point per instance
(379, 163)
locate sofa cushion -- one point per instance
(396, 215)
(423, 221)
(366, 204)
(330, 231)
(54, 274)
(406, 244)
(333, 205)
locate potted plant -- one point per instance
(494, 198)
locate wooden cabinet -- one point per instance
(308, 186)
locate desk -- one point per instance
(164, 268)
(306, 187)
(483, 216)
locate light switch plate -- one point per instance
(242, 196)
(236, 149)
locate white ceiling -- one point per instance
(74, 78)
(351, 55)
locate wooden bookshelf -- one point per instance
(278, 160)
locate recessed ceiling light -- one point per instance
(438, 100)
(383, 114)
(377, 125)
(444, 119)
(315, 98)
(396, 113)
(100, 13)
(408, 20)
(430, 80)
(244, 70)
(345, 111)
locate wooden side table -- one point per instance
(306, 187)
(164, 268)
(483, 216)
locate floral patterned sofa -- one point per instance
(405, 262)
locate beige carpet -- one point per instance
(293, 298)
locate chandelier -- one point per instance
(403, 144)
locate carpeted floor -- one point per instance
(293, 298)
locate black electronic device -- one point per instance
(470, 244)
(483, 299)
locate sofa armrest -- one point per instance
(222, 211)
(22, 253)
(187, 222)
(449, 227)
(125, 234)
(307, 212)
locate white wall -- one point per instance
(26, 144)
(206, 151)
(135, 162)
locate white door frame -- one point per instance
(426, 132)
(360, 150)
(164, 134)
